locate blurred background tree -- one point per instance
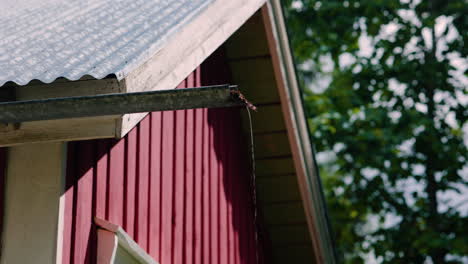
(385, 87)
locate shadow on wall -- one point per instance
(178, 183)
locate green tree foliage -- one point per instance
(393, 115)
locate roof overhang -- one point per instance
(289, 192)
(177, 58)
(301, 146)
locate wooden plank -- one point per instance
(167, 186)
(130, 181)
(189, 178)
(189, 187)
(58, 130)
(68, 89)
(116, 183)
(271, 145)
(122, 248)
(106, 246)
(141, 227)
(198, 175)
(214, 186)
(84, 200)
(179, 186)
(267, 118)
(256, 80)
(100, 181)
(69, 206)
(155, 186)
(283, 213)
(206, 213)
(126, 123)
(249, 40)
(229, 179)
(100, 208)
(123, 257)
(278, 189)
(223, 148)
(62, 130)
(245, 219)
(301, 254)
(289, 234)
(275, 167)
(237, 206)
(241, 202)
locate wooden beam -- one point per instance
(119, 103)
(61, 130)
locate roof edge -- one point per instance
(132, 53)
(307, 173)
(157, 46)
(187, 49)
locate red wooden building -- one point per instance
(165, 186)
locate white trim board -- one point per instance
(64, 129)
(116, 246)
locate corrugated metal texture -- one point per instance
(178, 183)
(48, 39)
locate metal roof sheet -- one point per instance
(48, 39)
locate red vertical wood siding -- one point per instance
(177, 183)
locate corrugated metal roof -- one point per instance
(48, 39)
